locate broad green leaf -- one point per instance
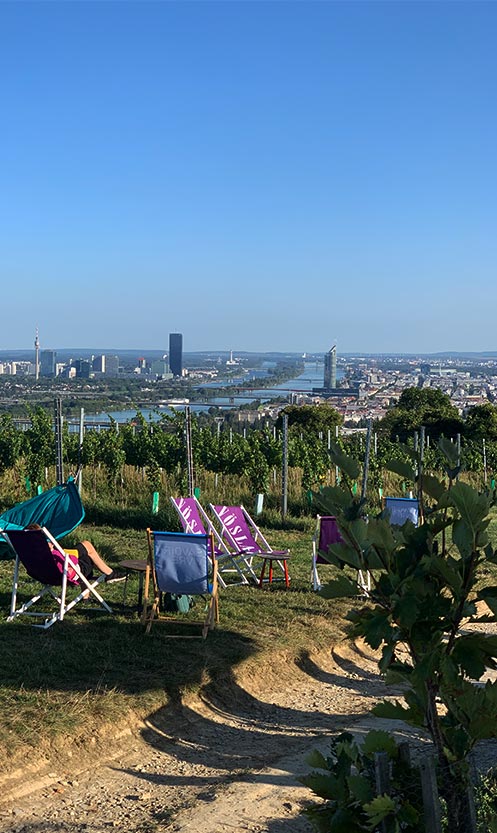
(333, 498)
(358, 530)
(379, 741)
(448, 573)
(326, 786)
(392, 711)
(372, 560)
(343, 821)
(377, 628)
(433, 487)
(352, 468)
(360, 788)
(475, 653)
(380, 534)
(406, 611)
(407, 815)
(379, 808)
(463, 537)
(449, 450)
(399, 467)
(344, 553)
(316, 760)
(471, 506)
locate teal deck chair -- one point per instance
(59, 510)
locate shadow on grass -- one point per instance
(111, 653)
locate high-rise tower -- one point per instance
(176, 353)
(47, 363)
(330, 368)
(37, 355)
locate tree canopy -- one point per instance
(481, 422)
(312, 417)
(422, 406)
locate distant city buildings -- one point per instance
(16, 368)
(160, 368)
(176, 353)
(98, 364)
(111, 365)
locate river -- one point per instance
(312, 377)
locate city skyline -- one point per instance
(258, 176)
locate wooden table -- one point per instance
(138, 566)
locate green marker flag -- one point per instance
(28, 485)
(403, 488)
(354, 488)
(492, 483)
(380, 492)
(40, 489)
(196, 492)
(155, 503)
(309, 497)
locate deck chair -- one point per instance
(233, 569)
(181, 563)
(402, 509)
(59, 510)
(327, 533)
(244, 536)
(33, 549)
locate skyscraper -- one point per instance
(176, 353)
(47, 363)
(37, 355)
(330, 368)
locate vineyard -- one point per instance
(124, 466)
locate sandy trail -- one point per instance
(226, 761)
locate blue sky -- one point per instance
(255, 175)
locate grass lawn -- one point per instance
(95, 668)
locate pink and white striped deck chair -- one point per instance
(232, 569)
(245, 537)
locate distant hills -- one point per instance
(130, 355)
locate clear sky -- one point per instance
(255, 175)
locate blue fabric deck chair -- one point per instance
(59, 510)
(184, 564)
(55, 569)
(401, 509)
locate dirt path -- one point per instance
(224, 762)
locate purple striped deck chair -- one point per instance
(33, 549)
(231, 568)
(244, 536)
(327, 533)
